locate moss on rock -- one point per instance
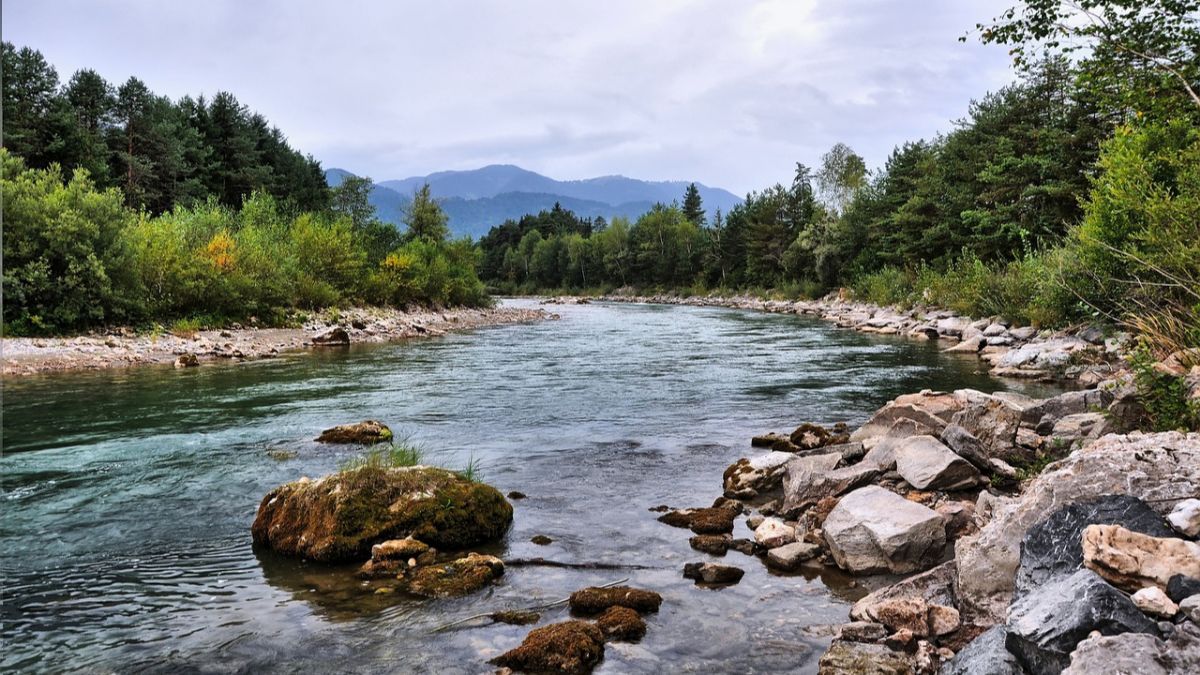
(621, 623)
(367, 432)
(570, 647)
(341, 516)
(593, 600)
(456, 578)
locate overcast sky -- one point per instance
(730, 93)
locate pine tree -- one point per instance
(693, 208)
(425, 217)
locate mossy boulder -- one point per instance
(569, 647)
(341, 516)
(368, 432)
(621, 624)
(456, 578)
(594, 599)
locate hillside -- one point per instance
(479, 199)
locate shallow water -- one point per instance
(128, 496)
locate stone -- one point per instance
(927, 464)
(766, 440)
(773, 533)
(516, 494)
(1190, 606)
(943, 620)
(862, 631)
(187, 360)
(994, 330)
(621, 624)
(1071, 403)
(902, 640)
(367, 432)
(744, 546)
(332, 337)
(887, 416)
(570, 647)
(940, 404)
(959, 517)
(593, 600)
(1054, 546)
(789, 557)
(398, 549)
(965, 445)
(911, 614)
(1160, 468)
(1154, 601)
(341, 516)
(1181, 586)
(812, 436)
(855, 658)
(882, 452)
(991, 420)
(515, 617)
(873, 530)
(713, 573)
(933, 587)
(456, 578)
(713, 544)
(1185, 518)
(985, 654)
(757, 475)
(1131, 560)
(1138, 653)
(703, 520)
(811, 479)
(971, 345)
(1045, 626)
(1087, 426)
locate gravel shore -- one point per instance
(123, 347)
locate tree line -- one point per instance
(1069, 195)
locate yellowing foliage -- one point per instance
(221, 251)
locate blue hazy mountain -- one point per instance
(477, 200)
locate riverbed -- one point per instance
(128, 494)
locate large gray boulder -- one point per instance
(1044, 627)
(1053, 409)
(810, 479)
(881, 451)
(994, 421)
(1161, 469)
(873, 530)
(927, 464)
(1053, 547)
(965, 445)
(985, 655)
(1139, 653)
(888, 415)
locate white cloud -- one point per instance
(725, 92)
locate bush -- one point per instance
(1164, 396)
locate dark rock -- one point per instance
(358, 324)
(661, 508)
(766, 440)
(367, 432)
(713, 573)
(1071, 403)
(714, 544)
(515, 617)
(516, 494)
(1092, 334)
(593, 600)
(571, 647)
(541, 540)
(456, 578)
(188, 360)
(702, 521)
(1054, 546)
(902, 640)
(1046, 624)
(621, 624)
(811, 436)
(727, 503)
(1180, 587)
(965, 445)
(744, 546)
(985, 655)
(333, 337)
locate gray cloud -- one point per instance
(725, 92)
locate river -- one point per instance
(128, 495)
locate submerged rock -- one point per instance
(341, 516)
(713, 573)
(187, 360)
(621, 623)
(363, 433)
(715, 544)
(593, 600)
(873, 530)
(702, 521)
(456, 578)
(515, 617)
(570, 647)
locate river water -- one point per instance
(128, 495)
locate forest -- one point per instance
(1070, 195)
(124, 207)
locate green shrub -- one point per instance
(1163, 395)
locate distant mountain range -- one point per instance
(477, 200)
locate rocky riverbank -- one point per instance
(124, 347)
(1020, 535)
(1084, 353)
